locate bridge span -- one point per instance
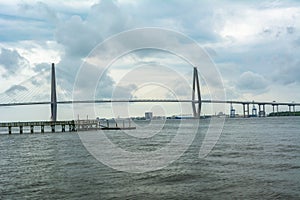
(245, 104)
(195, 100)
(152, 100)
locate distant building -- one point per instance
(148, 115)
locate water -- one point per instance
(253, 159)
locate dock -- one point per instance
(71, 126)
(84, 125)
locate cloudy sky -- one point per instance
(254, 45)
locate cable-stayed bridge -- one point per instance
(25, 96)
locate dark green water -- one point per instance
(253, 159)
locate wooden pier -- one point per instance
(71, 126)
(42, 124)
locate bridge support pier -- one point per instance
(72, 127)
(196, 87)
(9, 130)
(31, 129)
(53, 95)
(21, 129)
(261, 110)
(232, 111)
(292, 110)
(52, 128)
(246, 109)
(254, 111)
(273, 107)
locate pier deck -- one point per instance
(41, 124)
(71, 125)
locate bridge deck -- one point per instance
(36, 123)
(152, 100)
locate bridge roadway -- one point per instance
(153, 100)
(246, 109)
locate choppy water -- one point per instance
(253, 159)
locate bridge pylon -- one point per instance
(53, 95)
(196, 88)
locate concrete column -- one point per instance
(254, 111)
(248, 110)
(53, 128)
(196, 87)
(232, 112)
(294, 110)
(261, 110)
(53, 95)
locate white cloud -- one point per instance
(11, 61)
(245, 24)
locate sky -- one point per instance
(253, 45)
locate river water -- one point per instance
(255, 158)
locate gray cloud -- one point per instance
(15, 89)
(79, 35)
(124, 92)
(11, 61)
(41, 67)
(287, 73)
(39, 11)
(250, 81)
(290, 29)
